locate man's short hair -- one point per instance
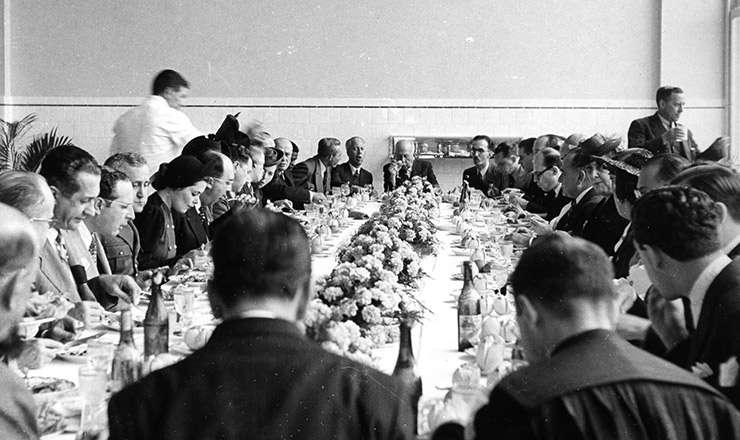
(669, 165)
(680, 221)
(526, 146)
(119, 160)
(259, 253)
(580, 158)
(210, 156)
(17, 248)
(351, 142)
(506, 149)
(720, 183)
(62, 164)
(239, 153)
(483, 137)
(665, 92)
(551, 158)
(109, 178)
(328, 146)
(168, 79)
(295, 147)
(22, 190)
(552, 141)
(558, 269)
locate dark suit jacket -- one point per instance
(645, 133)
(157, 233)
(282, 187)
(574, 220)
(260, 378)
(622, 258)
(485, 184)
(597, 383)
(606, 225)
(717, 335)
(554, 203)
(190, 232)
(307, 174)
(342, 174)
(536, 197)
(419, 168)
(123, 250)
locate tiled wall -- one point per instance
(90, 125)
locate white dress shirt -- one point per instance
(153, 129)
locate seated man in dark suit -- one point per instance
(123, 249)
(481, 175)
(258, 376)
(661, 132)
(405, 166)
(351, 172)
(584, 381)
(314, 173)
(548, 168)
(675, 232)
(722, 184)
(283, 187)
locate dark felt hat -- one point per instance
(229, 132)
(181, 172)
(273, 156)
(599, 145)
(630, 160)
(201, 144)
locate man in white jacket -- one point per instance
(157, 129)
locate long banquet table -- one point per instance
(435, 342)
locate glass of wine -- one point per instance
(184, 300)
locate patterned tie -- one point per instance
(61, 247)
(94, 249)
(356, 178)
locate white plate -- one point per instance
(460, 252)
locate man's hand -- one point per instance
(63, 330)
(89, 312)
(522, 237)
(675, 134)
(539, 225)
(284, 204)
(667, 318)
(318, 197)
(121, 286)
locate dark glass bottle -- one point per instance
(464, 195)
(156, 322)
(468, 311)
(127, 360)
(407, 370)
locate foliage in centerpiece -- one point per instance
(375, 284)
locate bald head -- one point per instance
(29, 193)
(404, 151)
(286, 146)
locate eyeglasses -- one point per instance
(227, 182)
(121, 204)
(537, 174)
(48, 221)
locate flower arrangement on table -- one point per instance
(373, 287)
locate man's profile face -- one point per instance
(176, 98)
(336, 157)
(502, 163)
(672, 107)
(480, 152)
(139, 177)
(224, 182)
(571, 186)
(649, 179)
(116, 213)
(547, 179)
(356, 153)
(242, 174)
(258, 165)
(70, 211)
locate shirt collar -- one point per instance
(85, 234)
(353, 169)
(732, 244)
(702, 283)
(257, 313)
(51, 235)
(582, 195)
(484, 171)
(666, 123)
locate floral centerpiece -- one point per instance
(374, 285)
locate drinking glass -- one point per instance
(93, 384)
(345, 190)
(99, 354)
(184, 299)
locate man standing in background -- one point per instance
(157, 129)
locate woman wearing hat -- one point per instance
(178, 185)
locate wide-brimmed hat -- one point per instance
(630, 160)
(181, 172)
(273, 156)
(229, 132)
(599, 145)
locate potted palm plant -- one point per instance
(14, 156)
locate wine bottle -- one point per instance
(468, 311)
(407, 370)
(127, 360)
(156, 322)
(464, 195)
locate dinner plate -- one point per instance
(461, 252)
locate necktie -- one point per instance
(690, 326)
(61, 247)
(320, 183)
(94, 249)
(356, 178)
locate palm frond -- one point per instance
(10, 134)
(34, 153)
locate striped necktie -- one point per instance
(61, 247)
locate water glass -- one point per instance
(93, 384)
(507, 248)
(99, 354)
